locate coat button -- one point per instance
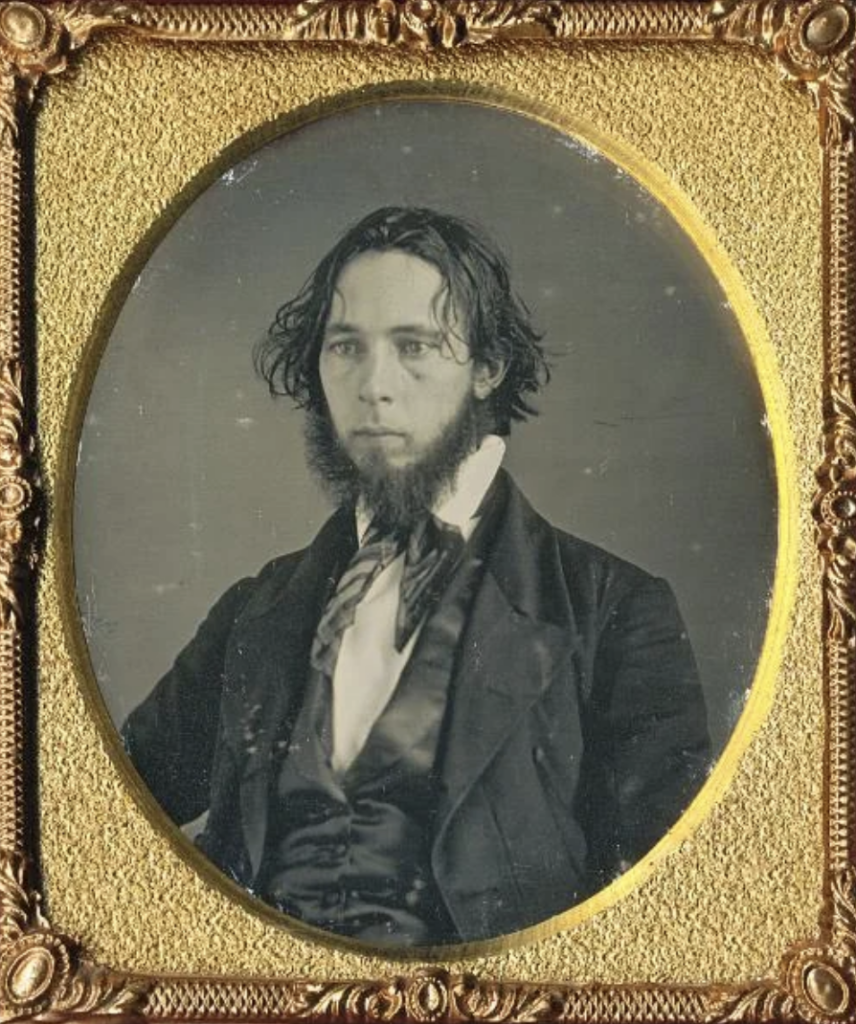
(331, 898)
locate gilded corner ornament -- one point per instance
(817, 981)
(42, 972)
(813, 45)
(35, 40)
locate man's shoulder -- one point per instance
(581, 560)
(292, 574)
(279, 568)
(610, 585)
(233, 602)
(271, 578)
(580, 555)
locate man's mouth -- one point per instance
(377, 432)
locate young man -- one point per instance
(445, 720)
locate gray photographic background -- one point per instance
(651, 442)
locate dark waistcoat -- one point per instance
(351, 852)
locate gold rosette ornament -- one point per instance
(824, 986)
(32, 971)
(426, 998)
(36, 40)
(812, 43)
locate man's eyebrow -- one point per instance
(418, 329)
(341, 328)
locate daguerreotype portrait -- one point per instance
(439, 716)
(427, 503)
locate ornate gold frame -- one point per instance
(46, 974)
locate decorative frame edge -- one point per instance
(813, 43)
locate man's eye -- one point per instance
(415, 347)
(343, 347)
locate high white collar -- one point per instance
(459, 503)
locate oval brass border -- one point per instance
(759, 695)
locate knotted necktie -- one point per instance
(368, 562)
(433, 552)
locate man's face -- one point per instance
(394, 376)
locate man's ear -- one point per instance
(487, 377)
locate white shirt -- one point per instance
(369, 667)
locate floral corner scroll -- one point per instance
(37, 40)
(44, 975)
(817, 980)
(42, 972)
(812, 44)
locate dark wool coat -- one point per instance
(575, 735)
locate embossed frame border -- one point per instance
(44, 974)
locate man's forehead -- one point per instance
(387, 285)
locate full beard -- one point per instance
(397, 497)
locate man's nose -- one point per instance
(379, 379)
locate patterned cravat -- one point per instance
(368, 562)
(433, 552)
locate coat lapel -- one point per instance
(521, 633)
(267, 668)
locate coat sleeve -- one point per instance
(172, 736)
(647, 739)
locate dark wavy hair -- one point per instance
(478, 292)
